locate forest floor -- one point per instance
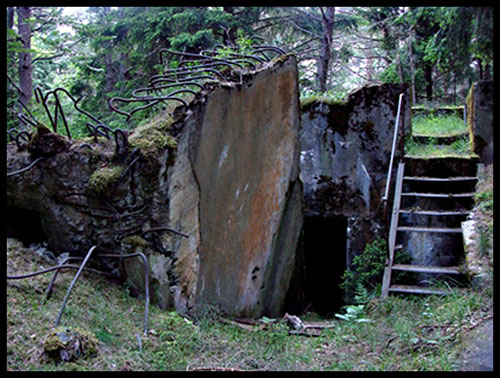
(401, 333)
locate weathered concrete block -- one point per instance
(224, 171)
(479, 106)
(245, 157)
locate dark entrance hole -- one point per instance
(25, 225)
(325, 245)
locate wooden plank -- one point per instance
(427, 269)
(433, 212)
(440, 179)
(429, 229)
(386, 281)
(417, 290)
(438, 195)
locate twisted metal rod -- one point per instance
(89, 253)
(26, 168)
(164, 228)
(80, 268)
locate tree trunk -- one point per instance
(412, 66)
(400, 69)
(428, 80)
(25, 66)
(326, 47)
(10, 17)
(487, 72)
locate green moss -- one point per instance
(282, 58)
(75, 342)
(134, 241)
(469, 103)
(153, 137)
(102, 179)
(310, 102)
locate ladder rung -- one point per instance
(417, 290)
(438, 195)
(430, 229)
(430, 212)
(440, 179)
(427, 269)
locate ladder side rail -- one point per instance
(393, 230)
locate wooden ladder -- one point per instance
(387, 287)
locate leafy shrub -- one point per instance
(367, 270)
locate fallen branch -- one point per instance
(217, 369)
(480, 321)
(244, 326)
(304, 333)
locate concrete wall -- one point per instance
(345, 153)
(479, 107)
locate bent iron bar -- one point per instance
(203, 66)
(80, 268)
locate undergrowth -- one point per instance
(400, 333)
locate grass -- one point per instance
(403, 333)
(458, 148)
(434, 127)
(446, 125)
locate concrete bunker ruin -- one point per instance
(275, 198)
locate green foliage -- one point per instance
(367, 270)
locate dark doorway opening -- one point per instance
(325, 248)
(25, 225)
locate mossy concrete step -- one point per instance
(427, 269)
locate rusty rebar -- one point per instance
(164, 228)
(89, 253)
(26, 168)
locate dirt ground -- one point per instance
(479, 354)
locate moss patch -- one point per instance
(134, 241)
(153, 137)
(102, 179)
(311, 102)
(69, 344)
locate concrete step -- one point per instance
(440, 179)
(441, 166)
(416, 290)
(427, 269)
(434, 212)
(430, 229)
(438, 195)
(439, 139)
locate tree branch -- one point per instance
(14, 84)
(305, 30)
(47, 57)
